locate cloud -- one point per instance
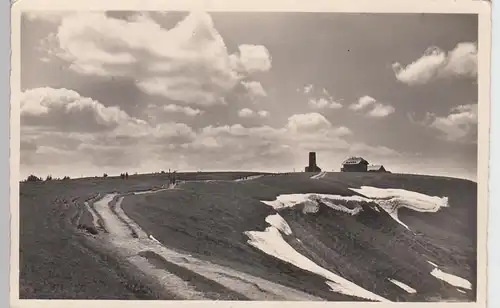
(362, 103)
(380, 111)
(59, 127)
(182, 109)
(263, 113)
(245, 113)
(460, 125)
(177, 145)
(263, 147)
(254, 88)
(322, 100)
(46, 16)
(65, 110)
(308, 88)
(323, 103)
(188, 63)
(251, 59)
(249, 113)
(437, 64)
(308, 122)
(372, 107)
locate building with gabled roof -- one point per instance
(354, 164)
(376, 168)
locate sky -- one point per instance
(113, 92)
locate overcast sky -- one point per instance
(141, 92)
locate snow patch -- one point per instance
(248, 178)
(279, 223)
(403, 286)
(392, 199)
(389, 199)
(404, 198)
(433, 264)
(129, 247)
(149, 191)
(272, 243)
(461, 291)
(153, 239)
(319, 175)
(452, 279)
(291, 200)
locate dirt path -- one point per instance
(176, 272)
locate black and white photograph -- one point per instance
(182, 155)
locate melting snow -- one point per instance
(150, 191)
(404, 198)
(391, 199)
(153, 239)
(248, 178)
(319, 175)
(403, 286)
(388, 199)
(291, 200)
(433, 264)
(279, 223)
(120, 239)
(451, 279)
(272, 243)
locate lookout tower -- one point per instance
(312, 163)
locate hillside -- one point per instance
(341, 244)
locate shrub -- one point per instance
(33, 178)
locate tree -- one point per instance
(48, 178)
(105, 175)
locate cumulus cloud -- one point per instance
(182, 109)
(371, 107)
(249, 113)
(322, 100)
(254, 88)
(251, 59)
(61, 127)
(436, 63)
(177, 145)
(188, 63)
(323, 103)
(263, 113)
(65, 110)
(47, 16)
(245, 113)
(363, 102)
(269, 147)
(308, 122)
(459, 125)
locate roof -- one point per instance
(375, 167)
(354, 161)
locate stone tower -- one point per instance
(312, 163)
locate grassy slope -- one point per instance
(208, 219)
(56, 258)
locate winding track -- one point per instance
(137, 249)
